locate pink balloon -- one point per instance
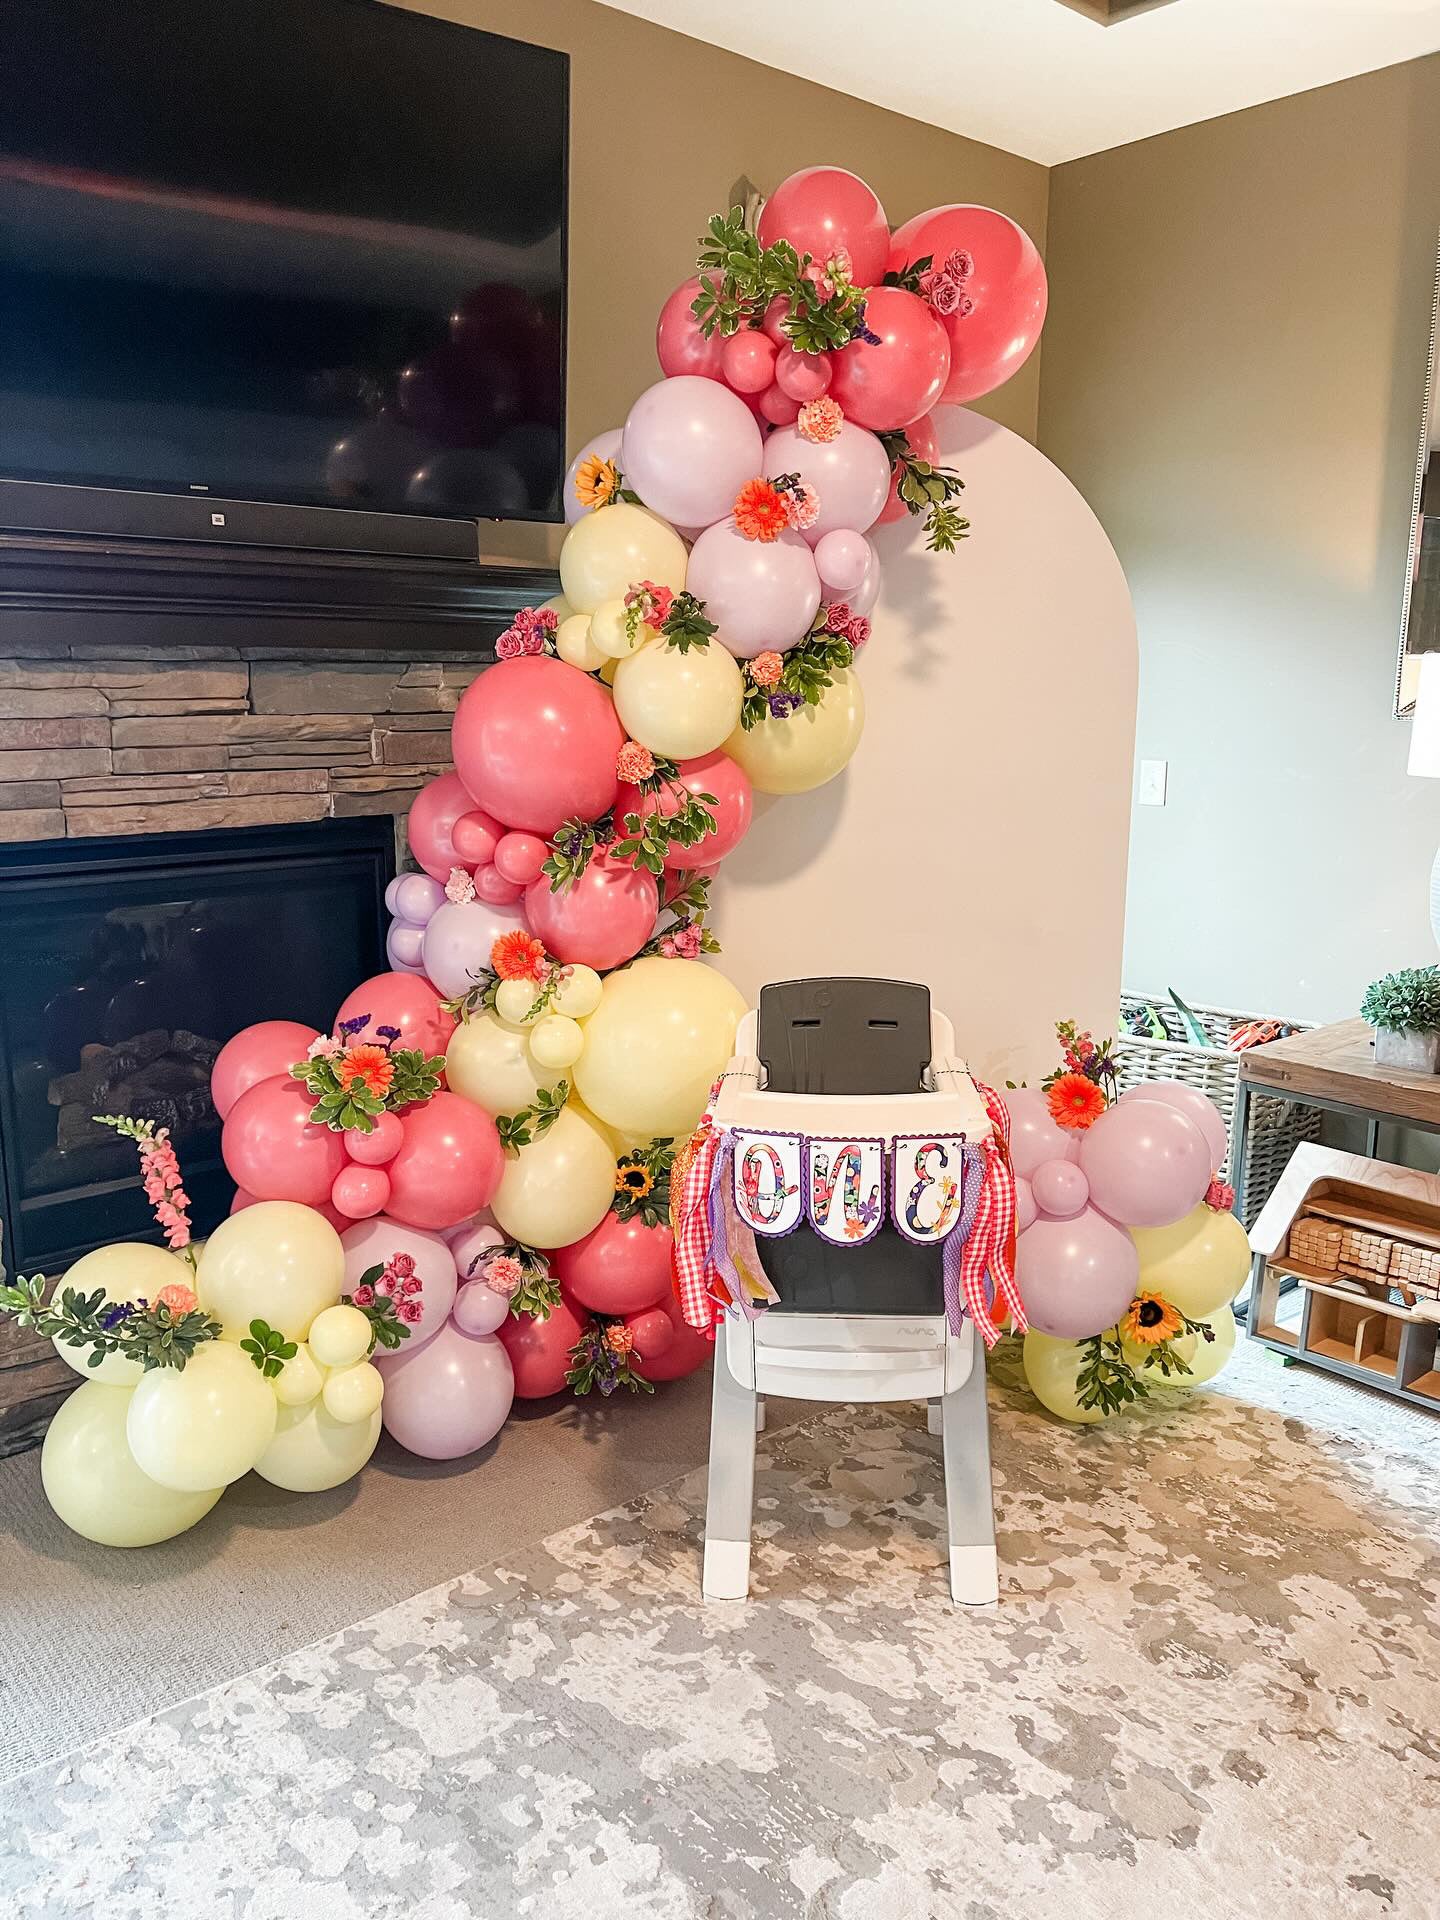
(924, 443)
(404, 946)
(431, 822)
(326, 1211)
(256, 1053)
(850, 473)
(479, 1309)
(762, 594)
(716, 774)
(1007, 292)
(842, 559)
(680, 346)
(778, 409)
(472, 1243)
(1147, 1163)
(414, 897)
(653, 1332)
(684, 1353)
(892, 384)
(607, 445)
(378, 1147)
(1034, 1136)
(747, 361)
(804, 376)
(449, 1398)
(1187, 1100)
(1026, 1211)
(403, 1000)
(475, 836)
(690, 445)
(271, 1149)
(825, 211)
(619, 1267)
(494, 889)
(375, 1242)
(539, 1350)
(862, 599)
(600, 920)
(449, 1166)
(536, 740)
(360, 1191)
(773, 322)
(458, 942)
(1059, 1189)
(1077, 1276)
(520, 856)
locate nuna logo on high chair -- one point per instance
(844, 1217)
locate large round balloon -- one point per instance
(256, 1053)
(1006, 291)
(602, 918)
(662, 1032)
(761, 594)
(1147, 1163)
(1052, 1367)
(681, 705)
(203, 1427)
(271, 1147)
(561, 1185)
(313, 1451)
(850, 475)
(658, 1357)
(92, 1481)
(274, 1261)
(430, 824)
(449, 1165)
(680, 346)
(621, 1266)
(125, 1271)
(690, 445)
(539, 1350)
(608, 552)
(825, 211)
(535, 741)
(806, 748)
(1208, 1357)
(1076, 1276)
(1187, 1100)
(729, 787)
(604, 446)
(375, 1242)
(1034, 1136)
(449, 1398)
(403, 1000)
(901, 376)
(458, 940)
(1199, 1264)
(490, 1062)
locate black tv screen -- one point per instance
(298, 251)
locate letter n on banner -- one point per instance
(925, 1184)
(768, 1171)
(845, 1189)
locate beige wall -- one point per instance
(1233, 370)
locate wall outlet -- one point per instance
(1153, 776)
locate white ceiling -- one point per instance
(1040, 80)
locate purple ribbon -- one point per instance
(972, 1181)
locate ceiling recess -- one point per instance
(1109, 13)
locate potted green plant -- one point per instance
(1404, 1010)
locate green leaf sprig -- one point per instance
(415, 1076)
(739, 278)
(152, 1336)
(268, 1350)
(909, 277)
(928, 490)
(806, 671)
(600, 1362)
(687, 908)
(1106, 1379)
(531, 1123)
(648, 836)
(574, 846)
(685, 626)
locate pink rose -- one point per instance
(410, 1311)
(687, 944)
(363, 1297)
(943, 296)
(838, 616)
(858, 631)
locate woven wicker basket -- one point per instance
(1276, 1127)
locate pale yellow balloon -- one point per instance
(93, 1482)
(662, 1032)
(608, 671)
(573, 643)
(556, 1041)
(612, 634)
(514, 999)
(126, 1271)
(312, 1450)
(607, 552)
(807, 747)
(1052, 1367)
(560, 1186)
(300, 1377)
(679, 704)
(1199, 1264)
(578, 994)
(276, 1262)
(354, 1393)
(1209, 1355)
(488, 1060)
(340, 1336)
(205, 1426)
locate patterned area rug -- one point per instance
(1208, 1690)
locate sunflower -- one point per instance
(1150, 1320)
(632, 1178)
(370, 1067)
(761, 511)
(1075, 1102)
(595, 481)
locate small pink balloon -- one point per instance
(359, 1191)
(475, 836)
(862, 599)
(374, 1243)
(1025, 1208)
(378, 1147)
(256, 1053)
(1187, 1100)
(479, 1309)
(472, 1243)
(1059, 1189)
(804, 376)
(1147, 1163)
(1076, 1276)
(653, 1332)
(519, 857)
(404, 947)
(1034, 1136)
(779, 410)
(539, 1350)
(494, 889)
(842, 559)
(773, 323)
(747, 361)
(431, 822)
(414, 897)
(680, 346)
(684, 1352)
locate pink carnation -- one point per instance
(510, 645)
(533, 640)
(802, 506)
(858, 631)
(459, 888)
(503, 1275)
(838, 617)
(683, 944)
(1219, 1195)
(820, 420)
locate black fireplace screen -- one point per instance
(127, 964)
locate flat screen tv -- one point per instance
(289, 272)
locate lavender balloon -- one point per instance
(851, 475)
(479, 1309)
(415, 897)
(862, 599)
(1034, 1136)
(761, 594)
(448, 1398)
(1025, 1208)
(1059, 1189)
(458, 942)
(842, 559)
(1077, 1276)
(374, 1242)
(404, 947)
(607, 445)
(1147, 1163)
(690, 445)
(1187, 1100)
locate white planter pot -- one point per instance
(1413, 1050)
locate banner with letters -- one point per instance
(838, 1184)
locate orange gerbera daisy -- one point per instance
(595, 481)
(761, 511)
(1149, 1320)
(370, 1067)
(517, 956)
(1075, 1102)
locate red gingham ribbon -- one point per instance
(690, 1230)
(991, 1246)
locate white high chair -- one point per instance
(801, 1063)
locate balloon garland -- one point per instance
(459, 1194)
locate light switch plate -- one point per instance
(1153, 777)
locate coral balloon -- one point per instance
(124, 1272)
(449, 1165)
(359, 1191)
(806, 748)
(489, 1062)
(681, 705)
(539, 1350)
(92, 1481)
(476, 835)
(825, 211)
(403, 1000)
(653, 1332)
(747, 361)
(494, 889)
(430, 824)
(256, 1053)
(894, 382)
(1034, 1136)
(602, 919)
(274, 1261)
(1198, 1264)
(378, 1147)
(1052, 1367)
(662, 1031)
(1147, 1163)
(520, 856)
(270, 1147)
(685, 1352)
(716, 774)
(762, 594)
(313, 1451)
(536, 740)
(1060, 1189)
(375, 1242)
(850, 475)
(606, 553)
(451, 1397)
(778, 408)
(1077, 1276)
(559, 1187)
(619, 1267)
(993, 337)
(680, 346)
(690, 445)
(1190, 1101)
(458, 940)
(802, 376)
(605, 446)
(203, 1427)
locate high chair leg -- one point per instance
(731, 1489)
(969, 1499)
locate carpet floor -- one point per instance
(1209, 1689)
